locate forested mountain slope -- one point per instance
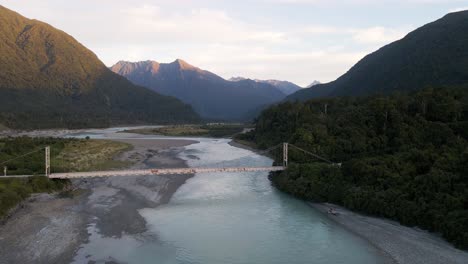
(48, 79)
(435, 55)
(404, 157)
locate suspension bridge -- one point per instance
(159, 171)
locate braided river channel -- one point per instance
(232, 218)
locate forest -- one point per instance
(403, 157)
(15, 190)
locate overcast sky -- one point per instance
(295, 40)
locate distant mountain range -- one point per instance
(210, 95)
(284, 86)
(435, 55)
(48, 79)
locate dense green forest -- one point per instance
(404, 156)
(33, 164)
(109, 105)
(14, 190)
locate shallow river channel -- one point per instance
(231, 218)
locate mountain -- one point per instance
(313, 84)
(435, 55)
(48, 79)
(283, 86)
(402, 156)
(236, 79)
(210, 95)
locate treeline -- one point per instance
(14, 190)
(34, 163)
(111, 105)
(404, 157)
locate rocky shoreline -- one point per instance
(51, 229)
(405, 245)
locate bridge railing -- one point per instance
(278, 152)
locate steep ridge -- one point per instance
(48, 79)
(435, 55)
(315, 82)
(283, 86)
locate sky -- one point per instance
(295, 40)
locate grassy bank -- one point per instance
(87, 155)
(15, 190)
(66, 155)
(211, 130)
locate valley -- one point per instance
(238, 100)
(168, 162)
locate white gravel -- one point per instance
(404, 244)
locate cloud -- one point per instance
(365, 35)
(377, 35)
(300, 66)
(458, 9)
(321, 29)
(196, 25)
(216, 41)
(363, 2)
(213, 38)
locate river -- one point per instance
(231, 218)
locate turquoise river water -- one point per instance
(232, 218)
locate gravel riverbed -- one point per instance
(405, 245)
(50, 229)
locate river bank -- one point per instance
(51, 229)
(205, 130)
(405, 245)
(47, 229)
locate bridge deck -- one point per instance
(21, 176)
(71, 175)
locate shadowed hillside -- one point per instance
(403, 157)
(48, 79)
(210, 95)
(434, 55)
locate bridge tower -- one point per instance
(285, 154)
(47, 161)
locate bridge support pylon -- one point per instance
(47, 161)
(285, 154)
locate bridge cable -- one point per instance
(270, 149)
(312, 154)
(21, 156)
